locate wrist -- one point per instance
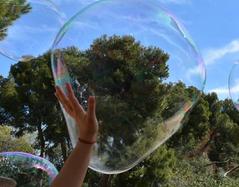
(88, 137)
(84, 147)
(85, 141)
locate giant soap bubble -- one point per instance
(27, 27)
(234, 84)
(141, 66)
(27, 169)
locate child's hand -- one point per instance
(88, 125)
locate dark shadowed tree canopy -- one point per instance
(197, 155)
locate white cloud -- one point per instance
(212, 55)
(196, 71)
(220, 90)
(224, 91)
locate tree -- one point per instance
(10, 11)
(195, 126)
(230, 110)
(130, 77)
(10, 143)
(125, 73)
(39, 108)
(15, 168)
(9, 103)
(225, 145)
(196, 173)
(157, 168)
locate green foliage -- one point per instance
(130, 72)
(225, 145)
(196, 173)
(14, 168)
(195, 127)
(23, 173)
(10, 11)
(157, 167)
(10, 143)
(32, 104)
(124, 73)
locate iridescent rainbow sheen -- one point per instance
(31, 161)
(151, 26)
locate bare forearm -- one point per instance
(74, 170)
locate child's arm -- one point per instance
(74, 170)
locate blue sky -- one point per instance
(212, 24)
(214, 27)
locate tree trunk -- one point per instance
(204, 145)
(105, 181)
(42, 140)
(63, 149)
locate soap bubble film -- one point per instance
(31, 28)
(27, 169)
(233, 84)
(125, 53)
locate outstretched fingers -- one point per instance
(72, 106)
(64, 100)
(78, 108)
(91, 107)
